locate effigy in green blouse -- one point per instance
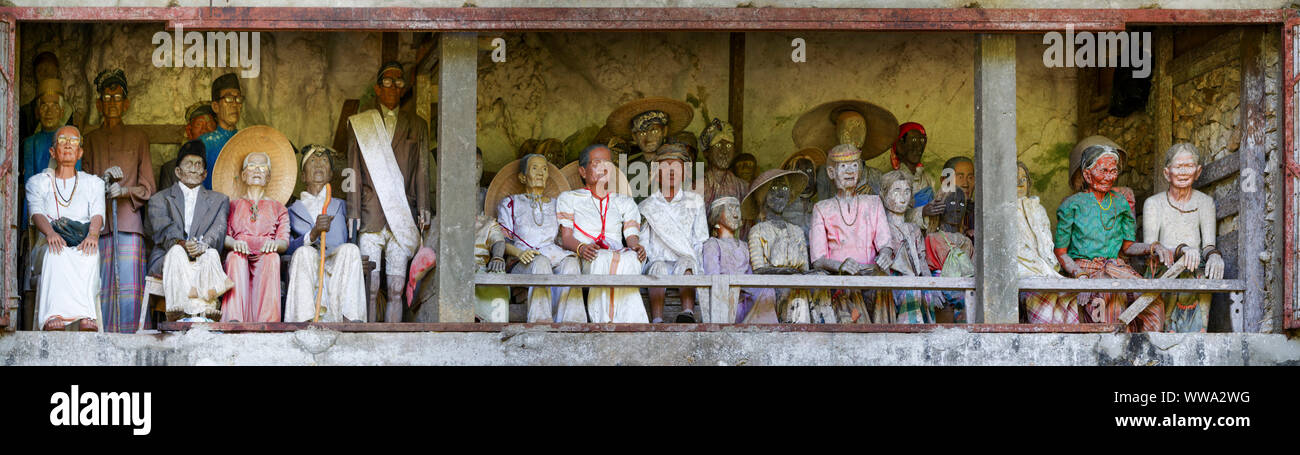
(1089, 229)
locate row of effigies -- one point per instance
(823, 212)
(829, 213)
(228, 193)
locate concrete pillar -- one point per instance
(457, 101)
(995, 166)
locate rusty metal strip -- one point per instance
(241, 327)
(642, 19)
(1290, 34)
(9, 290)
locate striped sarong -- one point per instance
(121, 315)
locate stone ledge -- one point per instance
(525, 347)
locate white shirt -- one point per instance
(674, 229)
(390, 120)
(191, 198)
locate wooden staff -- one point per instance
(320, 271)
(1145, 300)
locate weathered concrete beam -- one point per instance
(457, 101)
(995, 164)
(517, 346)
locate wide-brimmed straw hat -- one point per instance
(506, 183)
(816, 128)
(679, 114)
(230, 163)
(749, 207)
(571, 175)
(818, 157)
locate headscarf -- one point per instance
(645, 120)
(1094, 153)
(311, 150)
(109, 78)
(715, 132)
(902, 131)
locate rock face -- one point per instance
(556, 84)
(304, 77)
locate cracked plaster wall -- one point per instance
(516, 346)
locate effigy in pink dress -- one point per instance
(256, 295)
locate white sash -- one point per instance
(386, 176)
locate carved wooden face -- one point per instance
(1182, 171)
(671, 173)
(228, 106)
(317, 169)
(911, 147)
(745, 169)
(390, 88)
(199, 126)
(1101, 176)
(851, 128)
(535, 174)
(67, 146)
(50, 111)
(844, 174)
(256, 170)
(897, 196)
(190, 171)
(730, 218)
(778, 195)
(113, 102)
(598, 168)
(650, 138)
(963, 175)
(721, 154)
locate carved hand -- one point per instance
(113, 173)
(850, 267)
(527, 256)
(1214, 267)
(885, 258)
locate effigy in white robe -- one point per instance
(606, 221)
(69, 287)
(180, 275)
(343, 297)
(530, 224)
(492, 303)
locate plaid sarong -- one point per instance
(1050, 308)
(1109, 305)
(129, 254)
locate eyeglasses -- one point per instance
(258, 167)
(389, 82)
(232, 99)
(69, 140)
(118, 97)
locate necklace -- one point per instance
(58, 194)
(1108, 206)
(533, 201)
(1101, 216)
(253, 218)
(840, 209)
(1172, 206)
